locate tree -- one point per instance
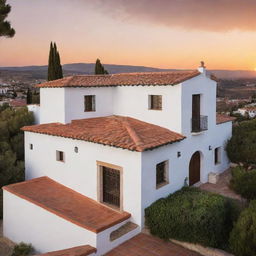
(99, 68)
(243, 236)
(29, 96)
(241, 148)
(11, 145)
(5, 27)
(54, 64)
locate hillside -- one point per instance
(40, 72)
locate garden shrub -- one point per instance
(244, 182)
(243, 236)
(241, 148)
(195, 216)
(22, 249)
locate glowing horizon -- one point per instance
(168, 34)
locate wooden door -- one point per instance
(194, 169)
(111, 186)
(196, 112)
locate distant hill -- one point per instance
(39, 72)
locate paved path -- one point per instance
(147, 245)
(222, 186)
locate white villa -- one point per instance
(107, 147)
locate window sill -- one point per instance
(162, 184)
(112, 207)
(155, 109)
(90, 111)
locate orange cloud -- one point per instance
(208, 15)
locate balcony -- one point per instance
(199, 124)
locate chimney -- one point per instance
(202, 68)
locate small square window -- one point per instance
(161, 174)
(60, 156)
(89, 103)
(155, 102)
(31, 146)
(217, 155)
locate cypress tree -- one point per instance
(54, 65)
(99, 68)
(29, 96)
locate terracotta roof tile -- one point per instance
(67, 204)
(83, 250)
(224, 118)
(124, 79)
(117, 131)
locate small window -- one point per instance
(217, 153)
(155, 102)
(89, 103)
(60, 156)
(161, 174)
(31, 146)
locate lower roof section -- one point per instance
(83, 250)
(220, 118)
(117, 131)
(67, 203)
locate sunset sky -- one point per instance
(156, 33)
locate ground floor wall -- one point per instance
(79, 170)
(178, 156)
(26, 222)
(48, 232)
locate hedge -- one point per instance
(194, 216)
(241, 148)
(244, 182)
(243, 236)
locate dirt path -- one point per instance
(6, 246)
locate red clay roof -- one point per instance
(83, 250)
(224, 118)
(67, 204)
(124, 79)
(117, 131)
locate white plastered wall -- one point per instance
(29, 223)
(79, 170)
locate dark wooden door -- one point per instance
(194, 169)
(111, 186)
(196, 112)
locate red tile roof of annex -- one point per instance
(220, 118)
(123, 79)
(67, 204)
(118, 131)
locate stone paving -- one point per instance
(147, 245)
(222, 186)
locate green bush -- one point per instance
(243, 236)
(22, 249)
(195, 216)
(244, 182)
(241, 148)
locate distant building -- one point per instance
(249, 111)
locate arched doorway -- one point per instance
(194, 168)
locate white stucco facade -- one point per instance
(80, 172)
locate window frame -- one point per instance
(100, 166)
(92, 103)
(217, 155)
(166, 174)
(60, 156)
(151, 102)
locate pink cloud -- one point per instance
(209, 15)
